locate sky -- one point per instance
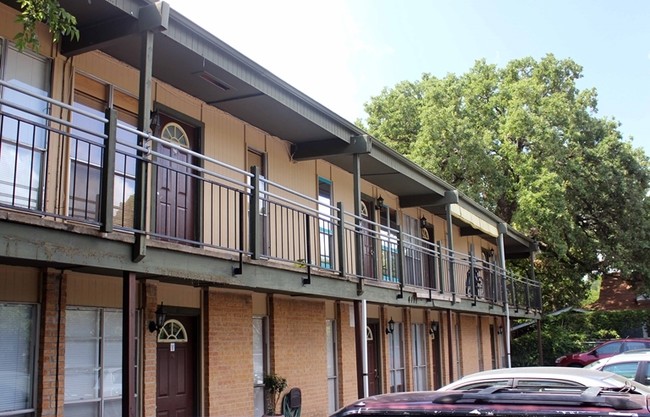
(341, 53)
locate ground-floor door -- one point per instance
(176, 370)
(374, 386)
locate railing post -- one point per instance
(515, 298)
(440, 269)
(108, 172)
(308, 258)
(471, 278)
(254, 215)
(534, 247)
(239, 269)
(341, 239)
(400, 261)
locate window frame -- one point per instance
(34, 148)
(103, 339)
(95, 96)
(396, 362)
(32, 362)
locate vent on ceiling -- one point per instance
(214, 80)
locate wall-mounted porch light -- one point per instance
(391, 326)
(379, 204)
(154, 123)
(500, 330)
(423, 222)
(433, 328)
(161, 317)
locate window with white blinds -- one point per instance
(419, 357)
(93, 362)
(396, 360)
(332, 369)
(17, 347)
(259, 364)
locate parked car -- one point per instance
(532, 378)
(501, 400)
(633, 364)
(604, 350)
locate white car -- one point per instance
(633, 365)
(538, 378)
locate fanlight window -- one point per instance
(364, 209)
(172, 332)
(174, 133)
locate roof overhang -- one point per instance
(196, 62)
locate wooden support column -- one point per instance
(450, 344)
(144, 122)
(108, 172)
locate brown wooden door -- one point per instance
(436, 366)
(176, 380)
(175, 187)
(374, 385)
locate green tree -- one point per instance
(527, 144)
(60, 23)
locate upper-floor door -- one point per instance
(367, 239)
(175, 186)
(260, 160)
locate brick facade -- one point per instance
(347, 354)
(228, 345)
(149, 372)
(52, 345)
(298, 351)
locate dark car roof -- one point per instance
(500, 401)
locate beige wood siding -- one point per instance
(94, 290)
(179, 295)
(19, 284)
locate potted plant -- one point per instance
(274, 385)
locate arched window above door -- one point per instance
(172, 331)
(369, 335)
(174, 133)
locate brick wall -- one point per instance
(228, 347)
(52, 345)
(149, 350)
(469, 348)
(298, 351)
(347, 355)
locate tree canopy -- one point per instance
(527, 144)
(60, 23)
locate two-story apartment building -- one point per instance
(176, 222)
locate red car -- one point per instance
(503, 401)
(604, 350)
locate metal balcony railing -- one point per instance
(84, 166)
